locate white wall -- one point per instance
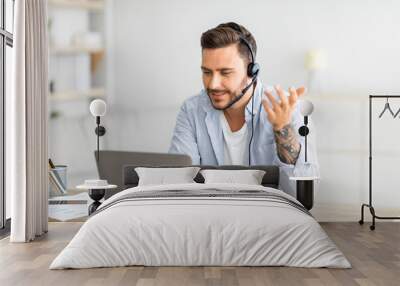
(156, 66)
(360, 39)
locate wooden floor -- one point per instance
(374, 255)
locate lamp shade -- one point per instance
(98, 107)
(306, 107)
(315, 60)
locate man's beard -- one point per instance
(232, 95)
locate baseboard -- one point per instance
(324, 212)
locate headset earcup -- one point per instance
(252, 69)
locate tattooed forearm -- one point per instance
(287, 145)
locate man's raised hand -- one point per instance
(279, 112)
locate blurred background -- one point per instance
(143, 58)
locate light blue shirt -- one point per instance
(198, 133)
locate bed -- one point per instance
(198, 224)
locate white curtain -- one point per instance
(26, 123)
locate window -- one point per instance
(6, 43)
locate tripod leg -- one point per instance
(372, 210)
(361, 221)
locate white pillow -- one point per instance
(163, 176)
(248, 177)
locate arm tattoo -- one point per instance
(287, 145)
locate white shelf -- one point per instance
(75, 50)
(337, 98)
(359, 152)
(73, 95)
(312, 178)
(95, 5)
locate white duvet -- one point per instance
(200, 231)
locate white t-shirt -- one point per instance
(235, 144)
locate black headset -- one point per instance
(253, 69)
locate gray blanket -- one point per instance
(207, 194)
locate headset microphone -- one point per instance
(252, 69)
(237, 98)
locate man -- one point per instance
(227, 124)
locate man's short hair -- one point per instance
(227, 34)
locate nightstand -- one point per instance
(96, 193)
(305, 190)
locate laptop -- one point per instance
(111, 163)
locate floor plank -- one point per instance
(374, 255)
